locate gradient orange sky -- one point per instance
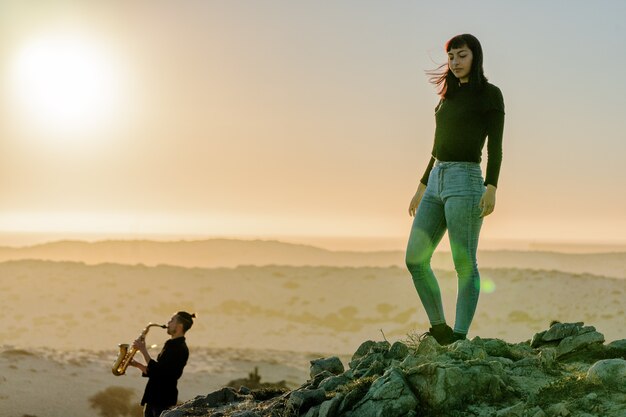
(281, 118)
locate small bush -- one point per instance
(116, 402)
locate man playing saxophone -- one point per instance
(163, 373)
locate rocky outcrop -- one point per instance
(566, 370)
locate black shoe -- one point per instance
(458, 336)
(442, 333)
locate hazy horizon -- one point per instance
(333, 243)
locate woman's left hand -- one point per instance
(488, 201)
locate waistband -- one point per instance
(456, 163)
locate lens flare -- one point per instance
(488, 286)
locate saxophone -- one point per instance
(126, 355)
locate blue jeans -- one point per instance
(450, 203)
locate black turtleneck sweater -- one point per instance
(464, 121)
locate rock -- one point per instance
(412, 361)
(333, 382)
(560, 331)
(245, 413)
(301, 401)
(398, 351)
(370, 347)
(375, 369)
(351, 399)
(478, 377)
(361, 366)
(558, 410)
(173, 413)
(313, 412)
(332, 365)
(547, 357)
(445, 386)
(497, 347)
(317, 379)
(618, 345)
(535, 412)
(516, 410)
(537, 339)
(609, 372)
(466, 350)
(428, 347)
(573, 343)
(389, 396)
(223, 396)
(330, 408)
(363, 349)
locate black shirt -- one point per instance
(463, 122)
(164, 373)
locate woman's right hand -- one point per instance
(415, 201)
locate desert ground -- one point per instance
(64, 319)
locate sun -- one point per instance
(64, 84)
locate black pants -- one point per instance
(150, 410)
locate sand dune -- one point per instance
(63, 320)
(215, 253)
(67, 305)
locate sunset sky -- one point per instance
(299, 118)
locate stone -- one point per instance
(350, 400)
(363, 365)
(547, 357)
(481, 378)
(412, 361)
(330, 408)
(578, 342)
(466, 350)
(376, 368)
(558, 410)
(333, 382)
(609, 372)
(537, 339)
(560, 331)
(618, 346)
(363, 350)
(428, 347)
(516, 410)
(444, 386)
(301, 401)
(223, 396)
(370, 347)
(317, 379)
(245, 413)
(332, 365)
(390, 395)
(313, 412)
(398, 351)
(173, 413)
(497, 347)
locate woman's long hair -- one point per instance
(443, 77)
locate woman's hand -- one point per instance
(415, 201)
(488, 201)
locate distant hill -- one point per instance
(215, 253)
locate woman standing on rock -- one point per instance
(452, 194)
